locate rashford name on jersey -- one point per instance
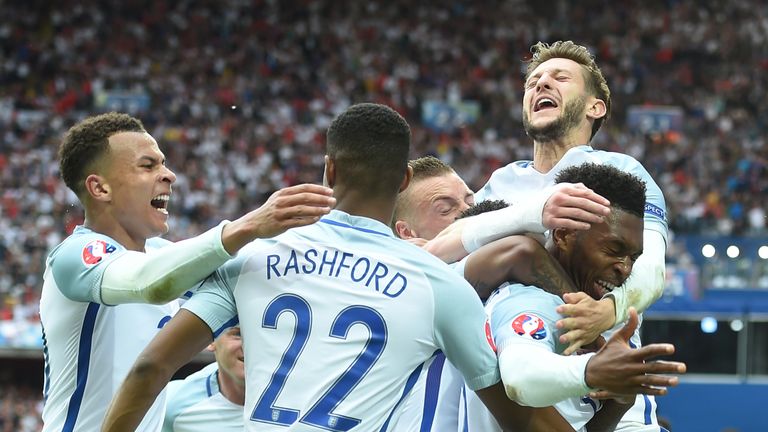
(334, 263)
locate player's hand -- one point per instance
(574, 206)
(585, 319)
(620, 370)
(287, 208)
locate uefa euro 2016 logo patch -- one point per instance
(95, 251)
(530, 325)
(489, 335)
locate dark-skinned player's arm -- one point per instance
(515, 259)
(175, 345)
(524, 260)
(514, 417)
(610, 414)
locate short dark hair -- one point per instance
(483, 207)
(370, 144)
(88, 141)
(596, 84)
(625, 191)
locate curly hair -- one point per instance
(625, 191)
(483, 207)
(87, 141)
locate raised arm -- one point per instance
(515, 259)
(564, 205)
(175, 345)
(164, 274)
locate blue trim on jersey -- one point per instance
(647, 410)
(662, 429)
(432, 391)
(592, 403)
(187, 295)
(466, 420)
(83, 362)
(409, 383)
(231, 323)
(343, 225)
(208, 389)
(47, 370)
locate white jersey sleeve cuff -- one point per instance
(162, 275)
(524, 217)
(536, 377)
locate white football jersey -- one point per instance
(338, 319)
(88, 346)
(195, 404)
(515, 182)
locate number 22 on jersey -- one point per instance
(321, 413)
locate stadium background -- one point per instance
(239, 93)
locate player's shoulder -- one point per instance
(85, 245)
(619, 160)
(520, 294)
(157, 243)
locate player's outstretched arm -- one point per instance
(516, 259)
(621, 370)
(514, 417)
(176, 344)
(287, 208)
(565, 205)
(163, 275)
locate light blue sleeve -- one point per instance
(655, 216)
(524, 314)
(461, 330)
(79, 262)
(214, 301)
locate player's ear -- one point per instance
(596, 108)
(97, 187)
(329, 172)
(403, 231)
(211, 347)
(407, 178)
(563, 238)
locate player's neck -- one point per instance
(357, 203)
(233, 390)
(113, 229)
(547, 154)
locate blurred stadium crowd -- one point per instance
(238, 94)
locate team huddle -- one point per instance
(391, 298)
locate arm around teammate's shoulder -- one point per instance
(164, 274)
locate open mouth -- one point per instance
(160, 203)
(544, 103)
(604, 286)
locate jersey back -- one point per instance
(338, 320)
